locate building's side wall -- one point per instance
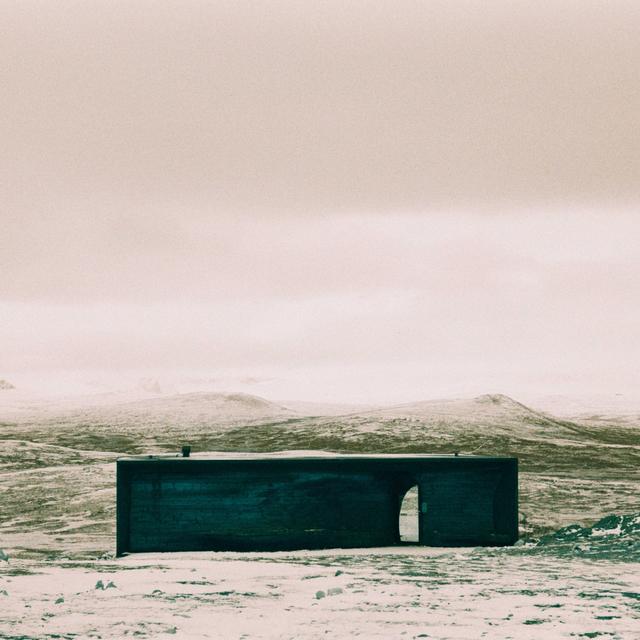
(469, 506)
(258, 509)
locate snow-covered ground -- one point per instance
(375, 593)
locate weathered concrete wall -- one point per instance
(264, 509)
(466, 507)
(293, 503)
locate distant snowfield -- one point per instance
(59, 579)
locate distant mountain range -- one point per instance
(488, 424)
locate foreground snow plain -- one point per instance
(378, 593)
(60, 579)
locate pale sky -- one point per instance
(362, 201)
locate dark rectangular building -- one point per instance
(311, 500)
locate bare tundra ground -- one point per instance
(576, 574)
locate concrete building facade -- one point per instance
(311, 500)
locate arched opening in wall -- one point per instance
(409, 527)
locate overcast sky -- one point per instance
(338, 200)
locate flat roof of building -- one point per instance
(305, 455)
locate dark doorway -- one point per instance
(409, 518)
